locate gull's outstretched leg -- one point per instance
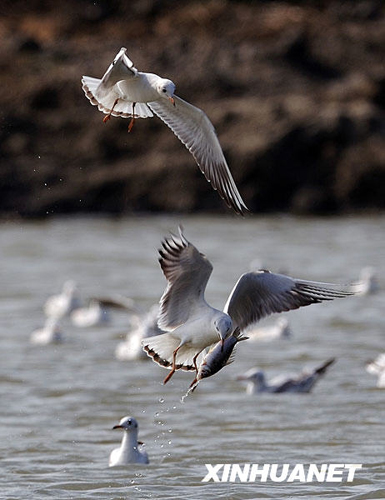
(195, 362)
(173, 369)
(107, 117)
(131, 124)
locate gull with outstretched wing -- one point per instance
(126, 92)
(192, 324)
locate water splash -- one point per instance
(190, 389)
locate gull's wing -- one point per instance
(288, 385)
(258, 294)
(305, 381)
(187, 272)
(121, 68)
(191, 125)
(117, 301)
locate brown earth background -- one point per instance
(296, 91)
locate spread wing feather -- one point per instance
(187, 272)
(258, 294)
(191, 125)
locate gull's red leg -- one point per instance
(195, 362)
(107, 117)
(131, 124)
(173, 369)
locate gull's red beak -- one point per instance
(172, 100)
(117, 427)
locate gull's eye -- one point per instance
(164, 90)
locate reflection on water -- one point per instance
(60, 401)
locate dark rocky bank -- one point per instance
(296, 91)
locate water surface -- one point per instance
(59, 403)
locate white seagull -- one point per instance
(93, 315)
(377, 367)
(192, 324)
(51, 333)
(144, 326)
(279, 330)
(131, 450)
(126, 92)
(63, 304)
(368, 281)
(302, 383)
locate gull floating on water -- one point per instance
(368, 281)
(93, 315)
(51, 333)
(377, 367)
(63, 304)
(126, 92)
(131, 450)
(192, 324)
(145, 325)
(279, 330)
(304, 382)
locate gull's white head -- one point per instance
(166, 88)
(224, 327)
(127, 423)
(254, 375)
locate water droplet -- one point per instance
(161, 400)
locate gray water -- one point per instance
(60, 402)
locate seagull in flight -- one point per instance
(192, 324)
(126, 92)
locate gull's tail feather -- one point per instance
(161, 348)
(109, 102)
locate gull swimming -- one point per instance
(302, 383)
(51, 333)
(377, 367)
(145, 325)
(192, 324)
(64, 303)
(368, 281)
(126, 92)
(131, 450)
(279, 330)
(93, 315)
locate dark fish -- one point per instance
(218, 357)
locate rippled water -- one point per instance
(60, 402)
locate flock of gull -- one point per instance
(184, 332)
